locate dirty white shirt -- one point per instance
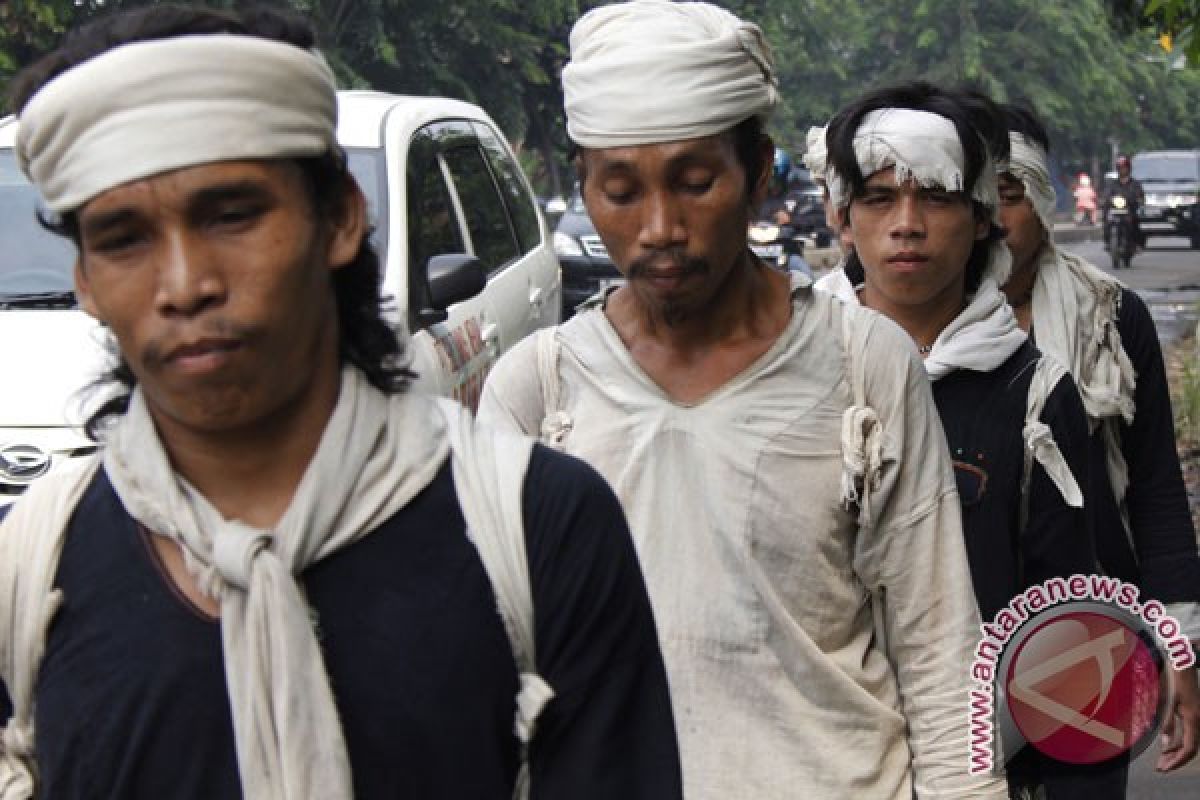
(765, 590)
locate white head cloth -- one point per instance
(149, 107)
(816, 153)
(376, 453)
(1028, 163)
(653, 71)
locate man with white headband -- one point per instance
(1102, 332)
(912, 173)
(285, 575)
(777, 453)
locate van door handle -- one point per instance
(491, 338)
(535, 297)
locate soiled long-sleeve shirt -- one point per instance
(808, 655)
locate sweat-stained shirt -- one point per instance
(765, 589)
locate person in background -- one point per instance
(912, 174)
(1103, 333)
(778, 453)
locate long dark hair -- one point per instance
(365, 337)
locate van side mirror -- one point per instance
(452, 278)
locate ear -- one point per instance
(346, 234)
(83, 291)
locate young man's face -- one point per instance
(216, 282)
(673, 216)
(1025, 231)
(913, 242)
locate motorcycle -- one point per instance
(1118, 232)
(778, 246)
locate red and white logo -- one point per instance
(1084, 683)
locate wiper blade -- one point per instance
(59, 299)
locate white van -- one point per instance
(467, 260)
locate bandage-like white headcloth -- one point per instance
(1029, 164)
(653, 71)
(150, 107)
(816, 154)
(925, 147)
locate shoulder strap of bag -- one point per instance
(489, 475)
(556, 423)
(31, 539)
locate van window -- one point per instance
(32, 260)
(521, 205)
(483, 207)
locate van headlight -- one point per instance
(566, 245)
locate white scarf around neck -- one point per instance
(981, 338)
(376, 453)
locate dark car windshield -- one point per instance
(36, 265)
(1167, 169)
(33, 261)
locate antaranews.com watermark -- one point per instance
(1076, 667)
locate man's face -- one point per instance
(673, 217)
(913, 242)
(216, 282)
(1025, 231)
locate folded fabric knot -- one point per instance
(862, 457)
(533, 696)
(556, 426)
(17, 739)
(1039, 440)
(234, 549)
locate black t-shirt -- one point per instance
(983, 414)
(1162, 558)
(131, 698)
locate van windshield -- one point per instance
(36, 266)
(1184, 168)
(33, 261)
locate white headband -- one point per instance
(653, 71)
(925, 147)
(149, 107)
(1029, 163)
(816, 154)
(921, 145)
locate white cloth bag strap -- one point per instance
(489, 474)
(556, 423)
(1039, 439)
(862, 432)
(31, 539)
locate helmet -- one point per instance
(1122, 161)
(1084, 180)
(783, 165)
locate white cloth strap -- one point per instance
(1039, 439)
(153, 106)
(31, 538)
(489, 473)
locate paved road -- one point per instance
(1167, 276)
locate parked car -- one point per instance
(467, 260)
(586, 267)
(1171, 182)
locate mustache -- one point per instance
(155, 352)
(675, 256)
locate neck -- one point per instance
(250, 472)
(744, 304)
(922, 321)
(1019, 288)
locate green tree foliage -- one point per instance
(1092, 68)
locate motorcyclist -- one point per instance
(1126, 186)
(1085, 200)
